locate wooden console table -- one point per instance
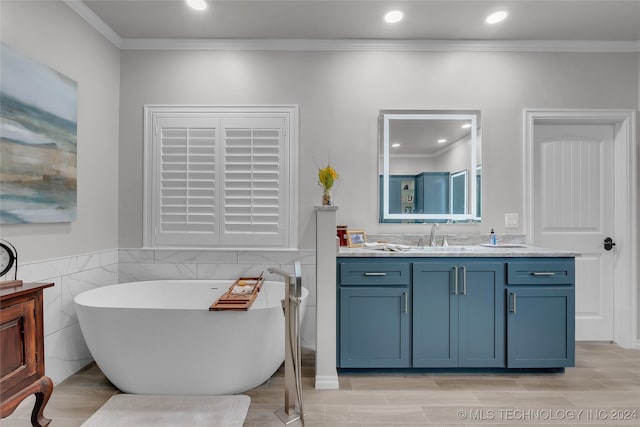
(22, 351)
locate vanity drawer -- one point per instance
(375, 274)
(543, 272)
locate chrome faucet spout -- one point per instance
(282, 273)
(432, 236)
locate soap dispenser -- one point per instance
(492, 237)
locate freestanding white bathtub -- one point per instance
(159, 337)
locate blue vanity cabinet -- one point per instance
(374, 314)
(541, 313)
(458, 314)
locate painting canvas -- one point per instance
(38, 141)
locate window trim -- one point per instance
(151, 110)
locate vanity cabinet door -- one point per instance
(481, 315)
(458, 318)
(435, 315)
(374, 327)
(540, 326)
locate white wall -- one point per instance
(340, 94)
(82, 254)
(51, 33)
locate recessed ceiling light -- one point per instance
(394, 16)
(395, 144)
(496, 17)
(466, 126)
(442, 141)
(197, 4)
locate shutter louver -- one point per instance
(187, 179)
(253, 160)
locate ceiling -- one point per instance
(449, 20)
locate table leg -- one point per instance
(44, 389)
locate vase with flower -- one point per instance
(326, 178)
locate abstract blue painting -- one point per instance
(38, 141)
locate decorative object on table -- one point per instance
(356, 238)
(9, 260)
(342, 234)
(38, 116)
(326, 178)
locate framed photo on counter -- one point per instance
(355, 238)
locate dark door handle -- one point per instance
(608, 244)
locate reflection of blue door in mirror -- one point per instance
(458, 192)
(432, 193)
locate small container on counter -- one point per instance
(342, 234)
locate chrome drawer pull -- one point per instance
(543, 273)
(455, 274)
(513, 307)
(464, 280)
(375, 274)
(406, 302)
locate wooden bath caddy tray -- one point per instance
(239, 301)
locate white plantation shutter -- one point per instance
(218, 178)
(186, 180)
(254, 181)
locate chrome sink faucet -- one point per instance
(432, 235)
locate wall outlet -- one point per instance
(511, 220)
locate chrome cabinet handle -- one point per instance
(455, 275)
(406, 302)
(464, 280)
(543, 273)
(375, 274)
(514, 300)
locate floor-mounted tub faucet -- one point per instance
(292, 355)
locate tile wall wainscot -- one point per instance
(158, 264)
(64, 347)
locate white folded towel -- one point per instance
(386, 246)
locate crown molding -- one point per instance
(596, 46)
(95, 21)
(382, 45)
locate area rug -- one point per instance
(133, 410)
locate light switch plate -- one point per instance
(511, 220)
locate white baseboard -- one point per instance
(327, 382)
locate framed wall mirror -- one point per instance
(429, 166)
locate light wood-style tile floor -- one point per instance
(603, 389)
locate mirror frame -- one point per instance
(384, 118)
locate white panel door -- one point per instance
(573, 203)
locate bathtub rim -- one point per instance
(81, 298)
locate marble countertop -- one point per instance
(500, 251)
